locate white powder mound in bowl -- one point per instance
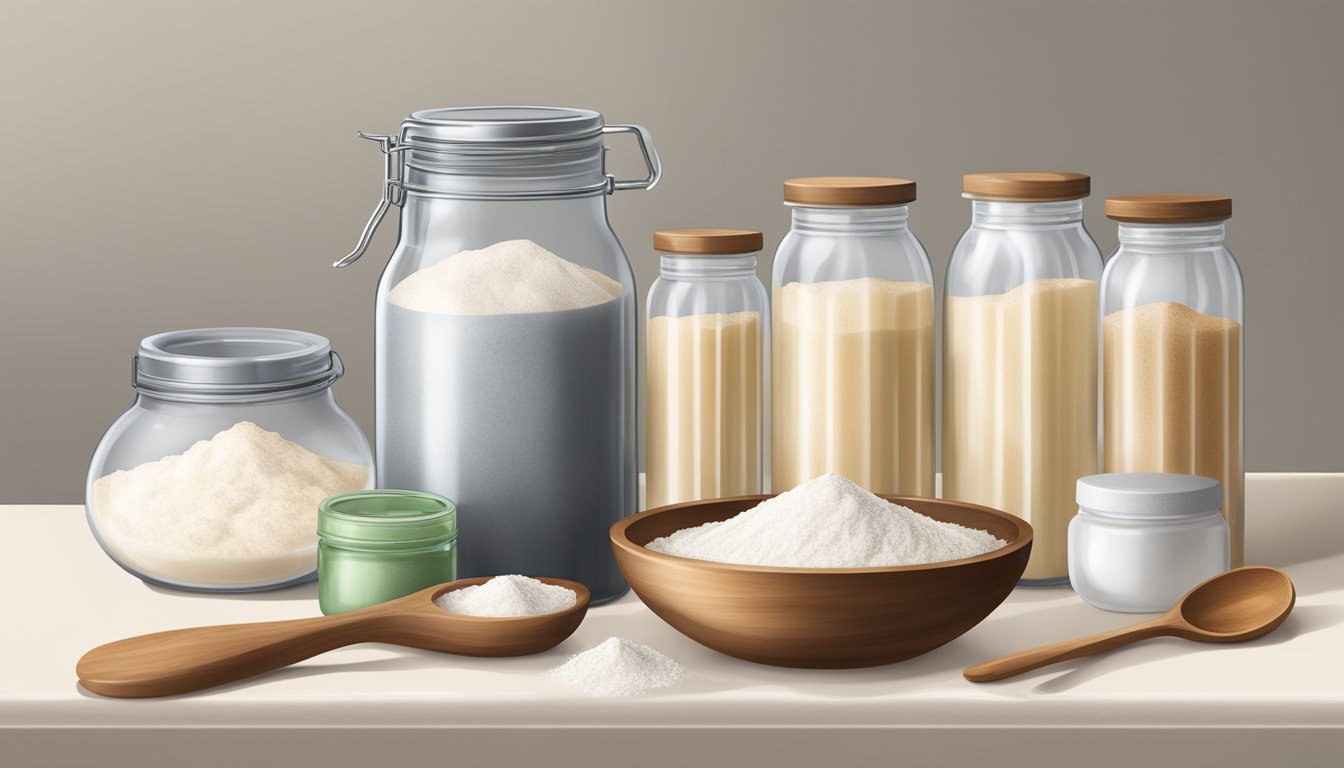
(618, 667)
(829, 522)
(237, 509)
(507, 278)
(511, 595)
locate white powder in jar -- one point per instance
(238, 509)
(505, 386)
(510, 595)
(829, 522)
(618, 667)
(509, 277)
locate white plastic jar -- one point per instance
(1141, 540)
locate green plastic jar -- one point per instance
(375, 546)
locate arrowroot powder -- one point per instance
(508, 596)
(235, 510)
(829, 522)
(618, 667)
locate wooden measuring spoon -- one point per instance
(1241, 604)
(182, 660)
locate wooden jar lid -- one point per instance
(707, 242)
(1168, 209)
(856, 191)
(1042, 187)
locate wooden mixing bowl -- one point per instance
(820, 618)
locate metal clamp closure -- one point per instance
(393, 193)
(394, 189)
(651, 160)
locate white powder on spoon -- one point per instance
(829, 522)
(508, 596)
(618, 667)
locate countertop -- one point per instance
(1276, 700)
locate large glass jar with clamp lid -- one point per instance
(506, 335)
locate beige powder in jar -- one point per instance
(853, 384)
(1020, 407)
(703, 422)
(236, 510)
(1172, 399)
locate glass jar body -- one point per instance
(1020, 369)
(155, 428)
(1172, 307)
(1137, 565)
(706, 391)
(852, 352)
(526, 421)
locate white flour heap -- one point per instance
(510, 277)
(829, 522)
(618, 667)
(508, 596)
(237, 509)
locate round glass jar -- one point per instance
(1172, 309)
(708, 321)
(211, 480)
(1020, 356)
(379, 545)
(1141, 540)
(852, 352)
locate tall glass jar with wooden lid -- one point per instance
(708, 321)
(1020, 356)
(853, 341)
(1172, 306)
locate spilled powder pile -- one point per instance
(618, 667)
(508, 596)
(829, 522)
(510, 277)
(239, 508)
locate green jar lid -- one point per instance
(386, 517)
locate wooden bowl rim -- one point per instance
(621, 540)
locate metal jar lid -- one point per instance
(1149, 494)
(234, 364)
(500, 153)
(475, 125)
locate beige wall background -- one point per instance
(171, 165)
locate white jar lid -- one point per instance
(1149, 494)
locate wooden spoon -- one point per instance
(182, 660)
(1241, 604)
